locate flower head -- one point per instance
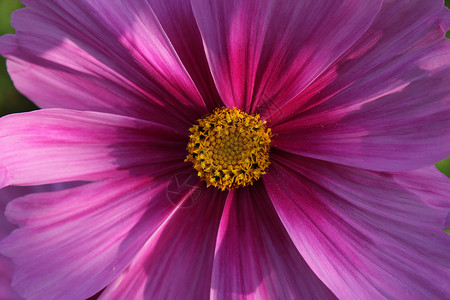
(330, 189)
(229, 148)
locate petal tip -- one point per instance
(445, 22)
(4, 178)
(8, 44)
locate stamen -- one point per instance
(229, 148)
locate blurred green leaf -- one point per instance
(10, 99)
(444, 166)
(6, 7)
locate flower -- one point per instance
(355, 94)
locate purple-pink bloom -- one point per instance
(355, 92)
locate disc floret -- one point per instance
(229, 148)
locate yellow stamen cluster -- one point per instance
(229, 148)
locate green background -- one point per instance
(12, 101)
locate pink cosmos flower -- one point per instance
(355, 93)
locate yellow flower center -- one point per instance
(229, 148)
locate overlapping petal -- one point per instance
(177, 261)
(384, 105)
(73, 243)
(264, 53)
(6, 265)
(56, 145)
(109, 56)
(366, 235)
(255, 258)
(8, 194)
(178, 21)
(342, 83)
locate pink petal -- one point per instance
(73, 243)
(367, 235)
(259, 51)
(56, 145)
(109, 56)
(177, 261)
(178, 21)
(6, 265)
(255, 258)
(384, 105)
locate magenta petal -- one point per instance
(8, 44)
(176, 263)
(4, 176)
(74, 145)
(266, 52)
(6, 271)
(384, 105)
(366, 235)
(109, 56)
(255, 258)
(73, 243)
(6, 265)
(178, 21)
